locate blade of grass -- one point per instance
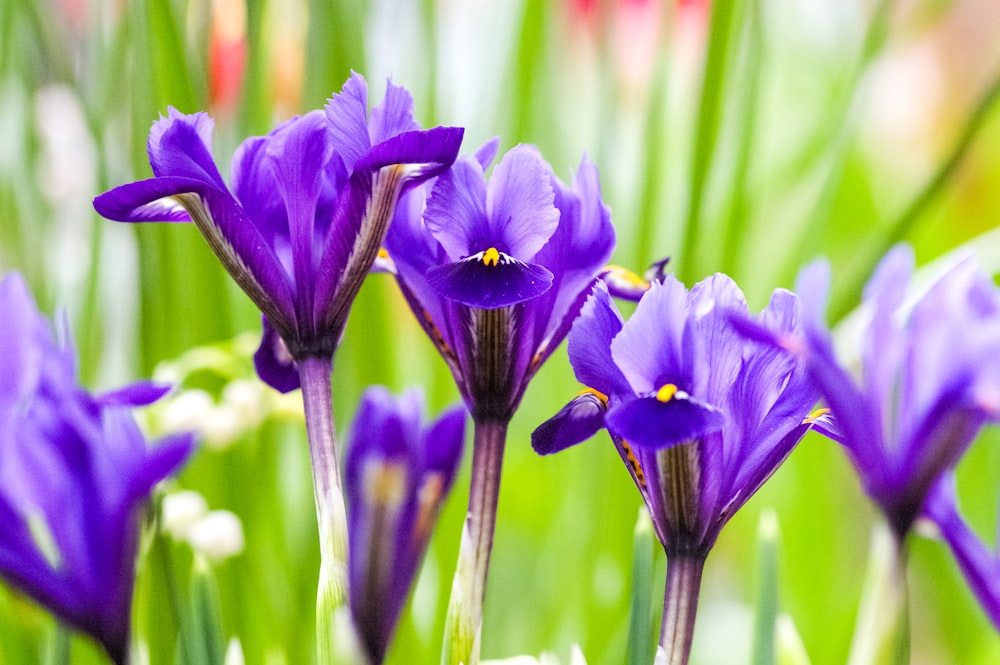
(837, 141)
(709, 127)
(739, 205)
(641, 635)
(767, 593)
(848, 296)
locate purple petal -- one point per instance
(146, 200)
(180, 146)
(589, 344)
(298, 156)
(648, 422)
(519, 204)
(274, 364)
(576, 422)
(884, 344)
(348, 116)
(442, 444)
(361, 219)
(980, 567)
(393, 115)
(650, 349)
(142, 393)
(576, 252)
(487, 152)
(456, 211)
(475, 283)
(20, 362)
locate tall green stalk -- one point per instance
(464, 622)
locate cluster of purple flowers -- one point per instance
(702, 400)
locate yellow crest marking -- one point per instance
(491, 257)
(666, 393)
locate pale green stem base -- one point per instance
(463, 625)
(333, 625)
(882, 632)
(680, 606)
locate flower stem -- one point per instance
(680, 605)
(463, 627)
(331, 516)
(882, 634)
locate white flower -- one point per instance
(217, 536)
(180, 511)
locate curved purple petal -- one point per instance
(980, 567)
(650, 350)
(476, 283)
(273, 362)
(576, 422)
(347, 112)
(648, 422)
(442, 443)
(520, 204)
(393, 115)
(180, 145)
(589, 345)
(456, 211)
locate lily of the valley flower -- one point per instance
(74, 474)
(701, 417)
(398, 473)
(495, 272)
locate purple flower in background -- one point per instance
(74, 475)
(495, 272)
(930, 376)
(700, 416)
(306, 214)
(398, 473)
(980, 566)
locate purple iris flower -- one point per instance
(305, 215)
(74, 474)
(496, 271)
(398, 473)
(930, 376)
(700, 416)
(980, 566)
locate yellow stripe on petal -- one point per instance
(596, 393)
(815, 415)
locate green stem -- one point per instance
(463, 627)
(680, 606)
(882, 633)
(331, 516)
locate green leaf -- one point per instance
(767, 592)
(641, 636)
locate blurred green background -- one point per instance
(747, 137)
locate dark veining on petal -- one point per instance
(680, 473)
(490, 362)
(387, 183)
